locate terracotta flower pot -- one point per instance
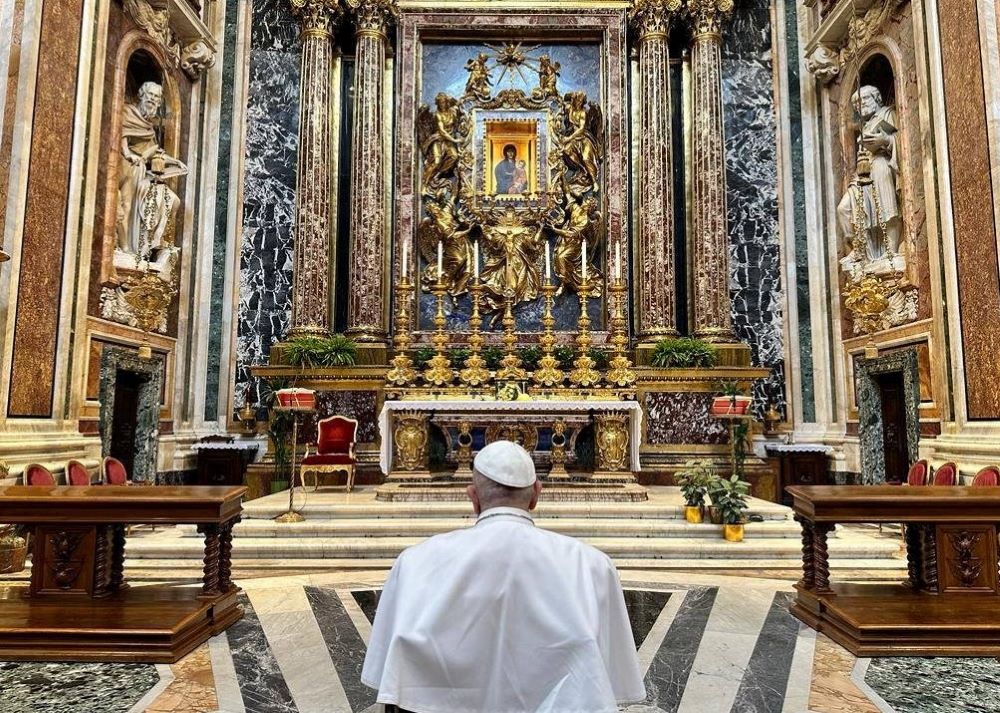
(693, 514)
(733, 533)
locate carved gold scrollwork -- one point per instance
(410, 440)
(318, 18)
(611, 440)
(373, 17)
(707, 16)
(652, 18)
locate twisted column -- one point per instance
(808, 580)
(712, 307)
(366, 307)
(821, 582)
(656, 314)
(210, 562)
(315, 210)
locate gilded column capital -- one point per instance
(373, 17)
(651, 18)
(707, 16)
(318, 18)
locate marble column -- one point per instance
(366, 310)
(712, 307)
(316, 212)
(651, 20)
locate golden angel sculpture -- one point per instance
(580, 143)
(512, 249)
(440, 134)
(548, 77)
(441, 225)
(583, 221)
(479, 82)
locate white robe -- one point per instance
(503, 617)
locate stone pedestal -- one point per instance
(316, 213)
(367, 317)
(712, 306)
(655, 274)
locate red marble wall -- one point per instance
(972, 207)
(36, 323)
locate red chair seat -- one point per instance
(36, 474)
(328, 459)
(946, 475)
(987, 477)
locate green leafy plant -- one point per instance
(684, 353)
(565, 354)
(694, 480)
(422, 355)
(731, 388)
(279, 425)
(741, 430)
(730, 499)
(530, 357)
(600, 356)
(458, 355)
(493, 356)
(312, 351)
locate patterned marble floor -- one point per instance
(707, 643)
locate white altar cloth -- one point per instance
(481, 406)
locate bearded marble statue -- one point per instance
(146, 205)
(871, 202)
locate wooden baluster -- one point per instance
(226, 555)
(914, 556)
(210, 577)
(118, 558)
(822, 582)
(929, 559)
(808, 580)
(102, 572)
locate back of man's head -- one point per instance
(503, 476)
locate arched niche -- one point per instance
(139, 59)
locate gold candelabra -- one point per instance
(402, 372)
(548, 374)
(620, 371)
(584, 375)
(439, 372)
(475, 372)
(510, 367)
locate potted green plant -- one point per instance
(565, 355)
(530, 357)
(279, 426)
(422, 355)
(714, 489)
(731, 401)
(13, 548)
(693, 481)
(731, 502)
(684, 353)
(311, 351)
(493, 356)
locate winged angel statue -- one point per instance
(441, 134)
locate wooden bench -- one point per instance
(78, 606)
(950, 603)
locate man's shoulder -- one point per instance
(574, 546)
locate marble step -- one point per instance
(315, 507)
(425, 527)
(177, 547)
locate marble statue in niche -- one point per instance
(871, 203)
(147, 207)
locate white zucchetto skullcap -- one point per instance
(506, 463)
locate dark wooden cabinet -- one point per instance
(224, 462)
(800, 464)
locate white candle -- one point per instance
(583, 261)
(406, 263)
(548, 262)
(618, 260)
(440, 259)
(475, 257)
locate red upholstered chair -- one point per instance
(947, 474)
(113, 472)
(77, 473)
(35, 474)
(917, 474)
(987, 477)
(334, 450)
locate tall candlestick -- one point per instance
(618, 260)
(475, 257)
(440, 260)
(548, 262)
(583, 261)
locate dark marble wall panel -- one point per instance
(752, 196)
(272, 119)
(36, 323)
(359, 405)
(682, 418)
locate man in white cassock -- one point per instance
(503, 617)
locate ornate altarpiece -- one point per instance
(455, 194)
